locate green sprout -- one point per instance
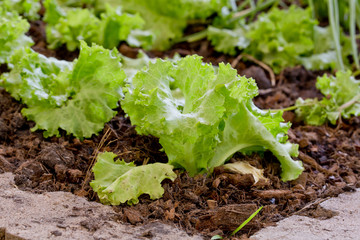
(241, 225)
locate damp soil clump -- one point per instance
(208, 205)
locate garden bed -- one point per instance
(208, 205)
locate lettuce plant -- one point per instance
(202, 116)
(167, 19)
(226, 40)
(12, 34)
(342, 98)
(163, 21)
(77, 97)
(281, 38)
(28, 8)
(70, 25)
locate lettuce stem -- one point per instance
(352, 23)
(193, 37)
(291, 108)
(233, 5)
(242, 5)
(311, 5)
(334, 24)
(248, 12)
(358, 12)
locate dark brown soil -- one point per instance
(209, 205)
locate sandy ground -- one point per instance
(61, 215)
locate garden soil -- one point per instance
(205, 205)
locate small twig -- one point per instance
(266, 91)
(243, 13)
(264, 66)
(340, 122)
(93, 159)
(349, 103)
(316, 202)
(250, 11)
(236, 61)
(344, 106)
(312, 162)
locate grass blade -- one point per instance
(246, 221)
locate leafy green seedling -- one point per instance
(341, 99)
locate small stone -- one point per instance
(56, 233)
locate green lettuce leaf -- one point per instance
(78, 3)
(167, 19)
(131, 66)
(226, 40)
(202, 116)
(53, 12)
(320, 61)
(164, 20)
(340, 90)
(67, 26)
(311, 111)
(77, 97)
(119, 182)
(71, 29)
(184, 9)
(28, 8)
(342, 97)
(280, 36)
(12, 34)
(36, 79)
(324, 54)
(116, 26)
